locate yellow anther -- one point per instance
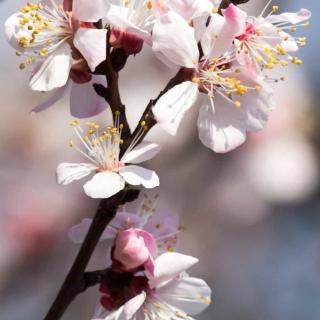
(149, 4)
(237, 104)
(195, 80)
(215, 10)
(281, 50)
(117, 113)
(293, 29)
(257, 88)
(71, 144)
(74, 123)
(43, 52)
(275, 9)
(259, 59)
(143, 123)
(284, 63)
(170, 248)
(296, 61)
(240, 90)
(306, 24)
(282, 78)
(22, 66)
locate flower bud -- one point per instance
(134, 248)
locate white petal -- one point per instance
(14, 30)
(190, 9)
(68, 172)
(92, 45)
(175, 39)
(235, 23)
(136, 176)
(129, 309)
(168, 266)
(143, 152)
(84, 101)
(104, 185)
(171, 107)
(291, 17)
(54, 71)
(55, 97)
(192, 295)
(78, 232)
(222, 129)
(90, 11)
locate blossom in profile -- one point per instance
(58, 44)
(111, 172)
(167, 294)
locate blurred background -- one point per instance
(252, 216)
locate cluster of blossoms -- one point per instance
(224, 59)
(147, 279)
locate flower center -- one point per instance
(249, 33)
(44, 28)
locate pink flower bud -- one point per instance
(134, 248)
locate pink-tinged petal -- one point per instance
(172, 106)
(122, 221)
(143, 152)
(92, 45)
(149, 265)
(235, 25)
(90, 11)
(168, 266)
(84, 102)
(136, 176)
(192, 295)
(134, 248)
(68, 172)
(148, 240)
(128, 310)
(291, 17)
(175, 39)
(104, 185)
(222, 129)
(78, 232)
(54, 71)
(55, 97)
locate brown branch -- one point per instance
(77, 280)
(147, 116)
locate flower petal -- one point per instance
(192, 295)
(92, 44)
(84, 102)
(222, 129)
(171, 107)
(291, 17)
(136, 175)
(104, 185)
(235, 24)
(68, 172)
(90, 11)
(55, 97)
(78, 232)
(168, 266)
(175, 39)
(143, 152)
(128, 310)
(54, 71)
